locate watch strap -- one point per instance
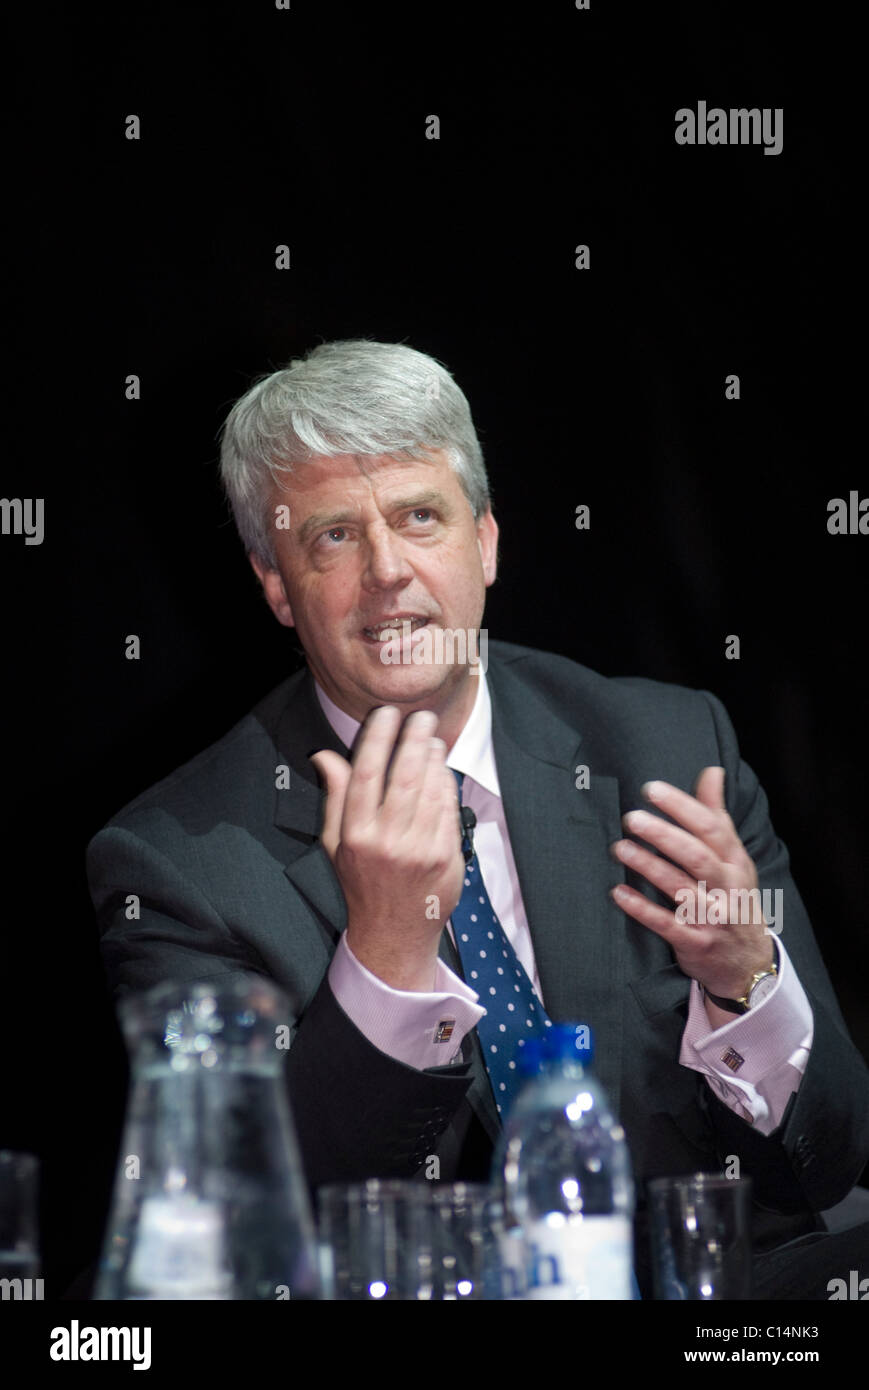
(742, 1006)
(731, 1006)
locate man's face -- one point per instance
(372, 539)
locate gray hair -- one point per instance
(348, 397)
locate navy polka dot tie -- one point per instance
(514, 1013)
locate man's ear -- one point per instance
(273, 589)
(487, 540)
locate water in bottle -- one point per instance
(564, 1172)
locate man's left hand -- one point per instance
(722, 957)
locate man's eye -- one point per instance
(422, 513)
(334, 531)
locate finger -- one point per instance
(371, 756)
(710, 788)
(687, 851)
(407, 773)
(446, 833)
(335, 773)
(658, 919)
(709, 822)
(438, 804)
(649, 914)
(658, 871)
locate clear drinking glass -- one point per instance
(19, 1235)
(373, 1240)
(210, 1201)
(400, 1239)
(463, 1242)
(700, 1230)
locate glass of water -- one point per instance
(373, 1240)
(19, 1232)
(408, 1240)
(701, 1237)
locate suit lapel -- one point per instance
(560, 836)
(304, 729)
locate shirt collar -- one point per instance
(472, 753)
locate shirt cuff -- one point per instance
(402, 1023)
(756, 1061)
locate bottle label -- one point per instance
(511, 1265)
(579, 1257)
(178, 1251)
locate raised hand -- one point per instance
(722, 956)
(392, 832)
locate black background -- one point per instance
(605, 387)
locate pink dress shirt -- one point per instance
(773, 1039)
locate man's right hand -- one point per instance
(395, 843)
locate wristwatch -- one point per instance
(760, 986)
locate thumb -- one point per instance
(710, 788)
(334, 772)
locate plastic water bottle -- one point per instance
(563, 1170)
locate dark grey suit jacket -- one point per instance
(231, 877)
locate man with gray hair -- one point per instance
(398, 837)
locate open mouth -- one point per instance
(393, 627)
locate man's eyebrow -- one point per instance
(419, 499)
(326, 520)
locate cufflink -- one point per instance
(732, 1059)
(444, 1030)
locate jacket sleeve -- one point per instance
(819, 1150)
(358, 1113)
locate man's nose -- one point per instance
(385, 561)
